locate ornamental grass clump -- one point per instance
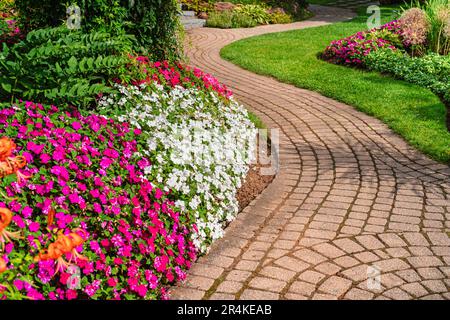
(415, 28)
(437, 14)
(444, 16)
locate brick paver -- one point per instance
(351, 199)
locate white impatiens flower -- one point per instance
(200, 147)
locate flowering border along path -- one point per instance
(351, 198)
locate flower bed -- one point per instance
(115, 191)
(200, 147)
(83, 177)
(353, 49)
(142, 195)
(414, 48)
(9, 31)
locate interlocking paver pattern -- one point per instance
(350, 194)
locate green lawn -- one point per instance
(413, 112)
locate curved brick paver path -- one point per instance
(350, 194)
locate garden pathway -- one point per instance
(352, 4)
(351, 198)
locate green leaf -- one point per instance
(7, 87)
(72, 63)
(58, 68)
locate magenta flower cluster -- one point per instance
(178, 74)
(10, 33)
(85, 177)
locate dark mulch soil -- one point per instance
(254, 184)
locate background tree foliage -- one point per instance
(154, 23)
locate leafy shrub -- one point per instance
(246, 16)
(62, 66)
(218, 19)
(242, 20)
(6, 8)
(257, 13)
(208, 5)
(296, 8)
(85, 196)
(229, 19)
(103, 15)
(154, 23)
(431, 71)
(277, 17)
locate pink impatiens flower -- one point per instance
(34, 226)
(76, 125)
(89, 186)
(112, 282)
(161, 263)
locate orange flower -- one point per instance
(51, 216)
(63, 245)
(8, 164)
(5, 220)
(2, 265)
(12, 165)
(7, 146)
